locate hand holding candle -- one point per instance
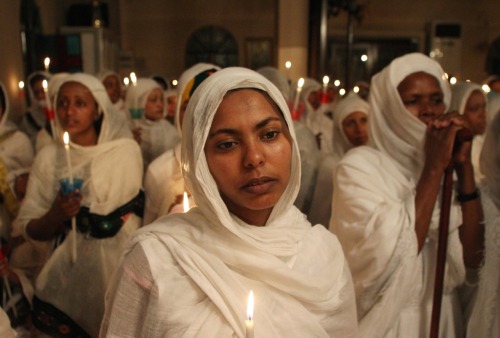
(249, 320)
(70, 173)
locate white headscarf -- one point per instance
(493, 107)
(224, 257)
(186, 84)
(490, 159)
(461, 93)
(351, 103)
(5, 124)
(393, 129)
(279, 79)
(137, 94)
(113, 126)
(197, 122)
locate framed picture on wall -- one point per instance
(258, 52)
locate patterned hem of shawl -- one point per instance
(54, 322)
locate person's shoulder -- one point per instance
(161, 161)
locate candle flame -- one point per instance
(185, 202)
(126, 81)
(66, 138)
(46, 62)
(45, 84)
(326, 79)
(21, 84)
(288, 65)
(250, 306)
(133, 78)
(301, 82)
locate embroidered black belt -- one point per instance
(52, 321)
(104, 226)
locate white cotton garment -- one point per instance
(112, 173)
(189, 275)
(320, 211)
(374, 218)
(484, 320)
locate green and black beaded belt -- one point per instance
(104, 226)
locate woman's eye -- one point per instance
(226, 145)
(271, 135)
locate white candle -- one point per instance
(249, 320)
(300, 84)
(185, 202)
(70, 173)
(46, 63)
(22, 95)
(50, 113)
(326, 79)
(45, 86)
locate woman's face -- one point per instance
(475, 112)
(422, 96)
(77, 111)
(38, 91)
(249, 151)
(112, 85)
(171, 106)
(355, 127)
(154, 105)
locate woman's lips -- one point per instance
(259, 186)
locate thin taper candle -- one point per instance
(70, 173)
(297, 94)
(249, 320)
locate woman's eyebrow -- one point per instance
(231, 131)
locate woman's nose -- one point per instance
(254, 155)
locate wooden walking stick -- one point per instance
(463, 135)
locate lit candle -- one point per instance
(288, 65)
(126, 81)
(46, 63)
(22, 95)
(185, 202)
(300, 84)
(133, 78)
(326, 79)
(324, 93)
(249, 320)
(49, 112)
(70, 173)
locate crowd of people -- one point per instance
(153, 211)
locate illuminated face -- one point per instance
(154, 105)
(248, 151)
(112, 85)
(475, 112)
(171, 106)
(355, 127)
(422, 96)
(77, 111)
(38, 91)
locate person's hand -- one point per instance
(66, 206)
(440, 139)
(136, 132)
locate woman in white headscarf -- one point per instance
(69, 292)
(112, 83)
(469, 100)
(484, 321)
(190, 274)
(155, 135)
(350, 129)
(387, 204)
(163, 182)
(34, 119)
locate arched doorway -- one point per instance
(212, 44)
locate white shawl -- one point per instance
(484, 321)
(374, 215)
(301, 283)
(393, 129)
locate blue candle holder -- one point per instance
(136, 113)
(66, 187)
